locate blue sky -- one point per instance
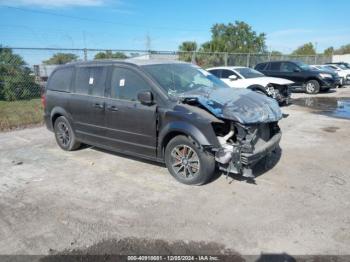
(124, 24)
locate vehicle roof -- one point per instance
(130, 61)
(226, 67)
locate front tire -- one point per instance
(64, 134)
(312, 87)
(188, 163)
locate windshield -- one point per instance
(177, 79)
(247, 72)
(342, 66)
(303, 66)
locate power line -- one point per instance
(101, 21)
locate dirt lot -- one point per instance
(52, 201)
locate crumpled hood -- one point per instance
(242, 105)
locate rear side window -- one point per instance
(260, 66)
(216, 72)
(275, 66)
(61, 80)
(126, 84)
(91, 80)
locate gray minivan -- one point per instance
(167, 111)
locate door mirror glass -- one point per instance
(296, 69)
(145, 97)
(232, 77)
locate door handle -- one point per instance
(112, 108)
(99, 106)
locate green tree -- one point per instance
(276, 53)
(186, 50)
(328, 51)
(235, 38)
(188, 46)
(306, 49)
(61, 58)
(345, 49)
(110, 55)
(16, 80)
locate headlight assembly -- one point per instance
(325, 75)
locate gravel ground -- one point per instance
(54, 202)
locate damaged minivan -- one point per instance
(167, 111)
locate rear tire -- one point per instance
(312, 87)
(188, 163)
(64, 134)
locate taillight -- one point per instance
(43, 99)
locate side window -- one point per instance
(91, 80)
(216, 72)
(288, 67)
(126, 84)
(275, 66)
(61, 80)
(227, 73)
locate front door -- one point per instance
(292, 72)
(131, 126)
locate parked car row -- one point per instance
(342, 71)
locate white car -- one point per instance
(342, 71)
(245, 77)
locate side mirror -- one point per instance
(145, 97)
(296, 70)
(232, 77)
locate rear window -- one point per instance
(61, 80)
(260, 66)
(91, 80)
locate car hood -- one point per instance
(241, 105)
(275, 80)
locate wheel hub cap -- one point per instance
(185, 161)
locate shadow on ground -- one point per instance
(110, 250)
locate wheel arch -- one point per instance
(57, 112)
(174, 129)
(257, 88)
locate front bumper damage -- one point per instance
(282, 93)
(241, 156)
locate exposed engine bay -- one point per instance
(239, 142)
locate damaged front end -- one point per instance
(248, 130)
(282, 93)
(242, 146)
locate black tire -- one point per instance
(64, 134)
(193, 172)
(312, 87)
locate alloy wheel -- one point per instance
(185, 161)
(310, 87)
(63, 134)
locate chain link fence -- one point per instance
(24, 71)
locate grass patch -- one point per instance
(22, 113)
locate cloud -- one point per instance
(52, 3)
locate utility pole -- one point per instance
(148, 43)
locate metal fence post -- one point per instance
(316, 59)
(248, 59)
(85, 54)
(225, 58)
